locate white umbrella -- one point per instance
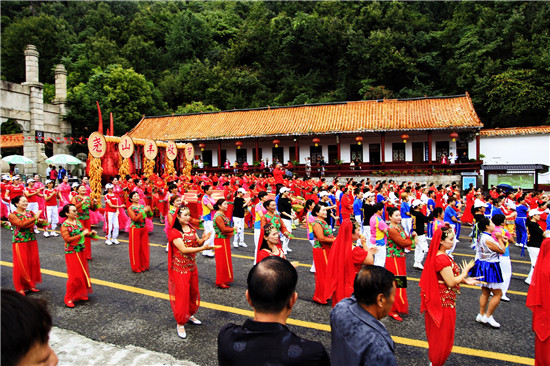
(17, 159)
(63, 159)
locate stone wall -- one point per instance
(24, 103)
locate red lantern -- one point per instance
(454, 136)
(276, 143)
(239, 144)
(316, 141)
(359, 139)
(202, 146)
(404, 137)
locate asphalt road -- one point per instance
(133, 309)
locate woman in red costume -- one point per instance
(323, 237)
(26, 261)
(183, 278)
(345, 260)
(539, 303)
(139, 237)
(222, 242)
(270, 246)
(64, 188)
(398, 240)
(123, 218)
(79, 284)
(439, 285)
(468, 217)
(83, 205)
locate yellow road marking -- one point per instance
(301, 323)
(309, 265)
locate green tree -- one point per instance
(195, 107)
(125, 93)
(51, 36)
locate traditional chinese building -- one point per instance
(396, 134)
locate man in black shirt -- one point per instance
(239, 208)
(266, 340)
(421, 243)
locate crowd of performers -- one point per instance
(379, 223)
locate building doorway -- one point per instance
(398, 151)
(241, 156)
(207, 157)
(356, 153)
(315, 153)
(418, 152)
(461, 148)
(374, 154)
(223, 158)
(441, 147)
(278, 155)
(332, 154)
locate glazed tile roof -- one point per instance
(512, 131)
(435, 113)
(11, 140)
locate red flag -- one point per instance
(112, 130)
(100, 126)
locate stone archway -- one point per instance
(24, 104)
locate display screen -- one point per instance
(523, 180)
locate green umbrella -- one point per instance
(63, 159)
(17, 159)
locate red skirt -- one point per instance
(442, 338)
(320, 259)
(87, 224)
(398, 266)
(26, 265)
(184, 294)
(79, 284)
(224, 266)
(138, 248)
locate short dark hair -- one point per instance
(391, 211)
(267, 203)
(378, 206)
(25, 322)
(308, 203)
(262, 194)
(271, 283)
(218, 204)
(498, 219)
(65, 210)
(132, 194)
(206, 187)
(371, 281)
(316, 209)
(15, 200)
(483, 223)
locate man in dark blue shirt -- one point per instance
(358, 336)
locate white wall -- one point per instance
(533, 149)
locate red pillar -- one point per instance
(383, 147)
(429, 146)
(477, 146)
(296, 151)
(220, 162)
(257, 157)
